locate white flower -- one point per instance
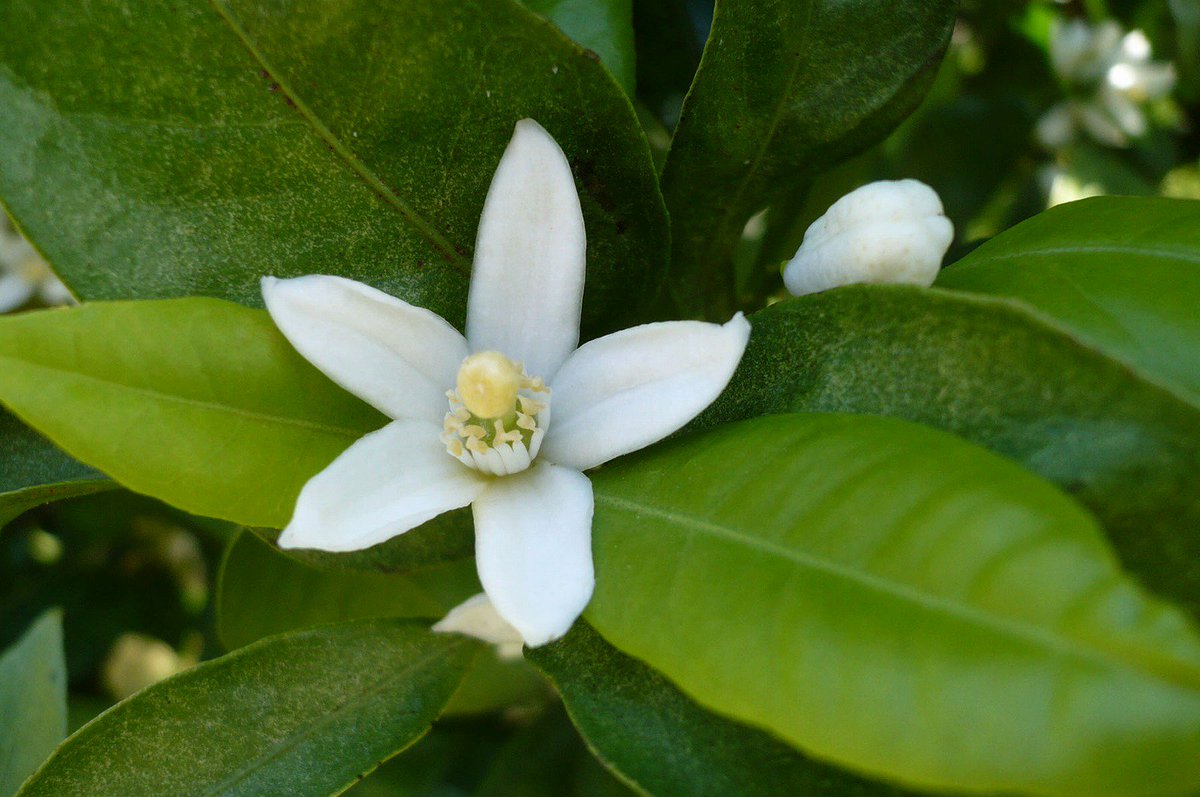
(893, 232)
(1111, 75)
(24, 275)
(507, 418)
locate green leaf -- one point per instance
(603, 26)
(33, 700)
(829, 79)
(196, 146)
(987, 370)
(449, 537)
(302, 713)
(33, 471)
(198, 402)
(548, 758)
(261, 592)
(894, 599)
(656, 737)
(1121, 273)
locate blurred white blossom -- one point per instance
(1109, 77)
(24, 275)
(137, 661)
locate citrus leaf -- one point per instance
(894, 599)
(990, 371)
(33, 471)
(1121, 273)
(829, 79)
(198, 402)
(33, 700)
(193, 147)
(303, 713)
(656, 737)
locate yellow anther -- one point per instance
(488, 383)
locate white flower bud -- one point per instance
(889, 231)
(476, 617)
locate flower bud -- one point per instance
(889, 231)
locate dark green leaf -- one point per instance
(198, 402)
(892, 598)
(603, 26)
(448, 537)
(33, 471)
(262, 592)
(305, 713)
(548, 759)
(992, 373)
(1121, 273)
(828, 79)
(192, 147)
(656, 737)
(33, 700)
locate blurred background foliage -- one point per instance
(1037, 103)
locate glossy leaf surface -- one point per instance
(989, 371)
(1121, 273)
(198, 402)
(658, 738)
(192, 147)
(301, 713)
(33, 700)
(894, 599)
(34, 471)
(785, 89)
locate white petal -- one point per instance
(15, 291)
(533, 548)
(477, 617)
(527, 279)
(627, 390)
(399, 358)
(390, 481)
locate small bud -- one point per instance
(476, 617)
(889, 231)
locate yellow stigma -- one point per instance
(488, 383)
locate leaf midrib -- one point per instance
(210, 406)
(1084, 249)
(1034, 634)
(356, 164)
(368, 695)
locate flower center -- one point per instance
(498, 415)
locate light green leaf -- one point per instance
(987, 370)
(198, 402)
(657, 738)
(1121, 273)
(892, 598)
(33, 700)
(262, 592)
(33, 471)
(192, 147)
(301, 713)
(785, 90)
(603, 26)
